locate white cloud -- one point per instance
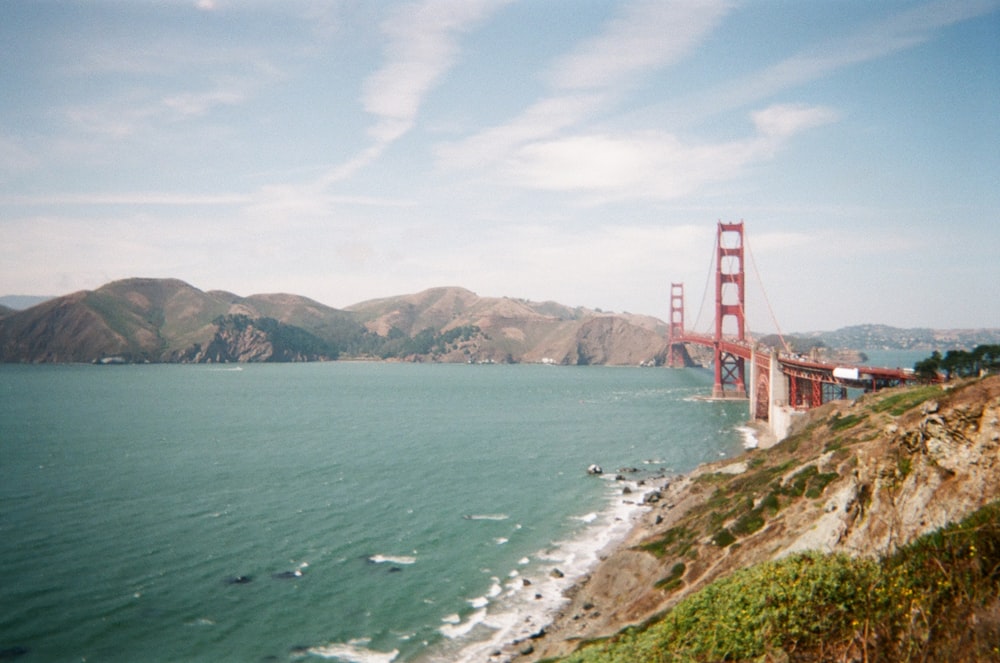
(648, 35)
(199, 103)
(144, 198)
(655, 164)
(540, 120)
(785, 120)
(422, 47)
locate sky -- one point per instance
(580, 151)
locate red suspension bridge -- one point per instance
(776, 381)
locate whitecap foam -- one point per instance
(453, 631)
(487, 516)
(354, 651)
(500, 540)
(749, 437)
(531, 603)
(392, 559)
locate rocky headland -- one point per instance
(859, 480)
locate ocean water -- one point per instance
(364, 512)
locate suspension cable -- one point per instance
(708, 281)
(767, 301)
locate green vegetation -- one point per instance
(673, 581)
(398, 345)
(838, 423)
(935, 599)
(286, 339)
(349, 339)
(960, 363)
(906, 400)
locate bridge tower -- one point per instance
(730, 279)
(676, 353)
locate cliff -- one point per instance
(866, 481)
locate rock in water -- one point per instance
(595, 469)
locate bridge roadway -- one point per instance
(796, 368)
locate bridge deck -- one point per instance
(800, 367)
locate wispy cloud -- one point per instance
(648, 35)
(423, 44)
(129, 199)
(199, 103)
(645, 37)
(785, 120)
(893, 34)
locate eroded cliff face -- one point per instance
(240, 339)
(863, 478)
(933, 466)
(239, 345)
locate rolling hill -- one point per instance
(168, 320)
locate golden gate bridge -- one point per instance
(777, 382)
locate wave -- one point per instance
(749, 437)
(457, 630)
(354, 651)
(392, 559)
(487, 516)
(534, 592)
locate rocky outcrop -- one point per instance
(240, 338)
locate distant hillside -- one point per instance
(884, 337)
(167, 320)
(517, 330)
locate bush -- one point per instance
(934, 599)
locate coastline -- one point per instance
(616, 592)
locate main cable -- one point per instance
(774, 320)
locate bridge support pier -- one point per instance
(779, 412)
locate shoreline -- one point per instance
(533, 599)
(615, 592)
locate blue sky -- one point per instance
(577, 151)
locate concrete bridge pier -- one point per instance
(780, 414)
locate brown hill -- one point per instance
(167, 320)
(155, 320)
(517, 330)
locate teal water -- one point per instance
(399, 505)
